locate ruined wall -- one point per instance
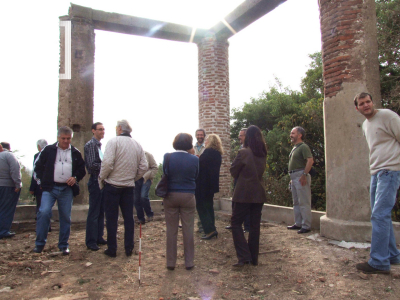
(214, 98)
(350, 61)
(75, 106)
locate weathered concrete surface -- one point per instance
(245, 14)
(350, 60)
(75, 106)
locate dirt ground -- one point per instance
(291, 267)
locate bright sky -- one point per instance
(152, 83)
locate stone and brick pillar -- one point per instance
(350, 61)
(214, 99)
(75, 106)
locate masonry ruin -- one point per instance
(350, 61)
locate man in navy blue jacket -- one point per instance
(58, 169)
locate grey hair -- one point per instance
(64, 130)
(41, 143)
(244, 129)
(126, 128)
(301, 131)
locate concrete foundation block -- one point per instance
(351, 231)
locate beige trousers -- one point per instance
(183, 204)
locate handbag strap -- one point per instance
(166, 163)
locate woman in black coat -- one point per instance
(207, 184)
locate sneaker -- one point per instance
(367, 269)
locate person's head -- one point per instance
(64, 137)
(364, 105)
(242, 135)
(255, 141)
(41, 144)
(297, 135)
(123, 127)
(98, 131)
(213, 141)
(183, 141)
(200, 136)
(6, 145)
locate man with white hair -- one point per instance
(58, 169)
(10, 188)
(35, 189)
(124, 162)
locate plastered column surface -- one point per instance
(214, 99)
(350, 61)
(75, 106)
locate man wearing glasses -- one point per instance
(95, 218)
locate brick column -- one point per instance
(214, 99)
(75, 106)
(350, 61)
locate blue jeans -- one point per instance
(113, 199)
(95, 218)
(63, 195)
(8, 203)
(384, 187)
(142, 201)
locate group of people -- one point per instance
(122, 176)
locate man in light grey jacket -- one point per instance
(10, 188)
(123, 163)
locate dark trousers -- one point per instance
(246, 221)
(38, 202)
(246, 250)
(8, 203)
(205, 209)
(142, 201)
(95, 218)
(113, 199)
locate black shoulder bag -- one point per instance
(162, 186)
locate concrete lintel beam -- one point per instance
(245, 14)
(120, 23)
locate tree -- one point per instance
(276, 112)
(388, 27)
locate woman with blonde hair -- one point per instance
(207, 184)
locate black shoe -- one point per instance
(293, 227)
(171, 268)
(241, 264)
(141, 222)
(128, 252)
(367, 269)
(102, 242)
(210, 235)
(303, 230)
(38, 249)
(65, 251)
(9, 234)
(93, 248)
(110, 253)
(228, 227)
(189, 268)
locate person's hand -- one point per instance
(146, 177)
(71, 181)
(303, 180)
(31, 192)
(17, 190)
